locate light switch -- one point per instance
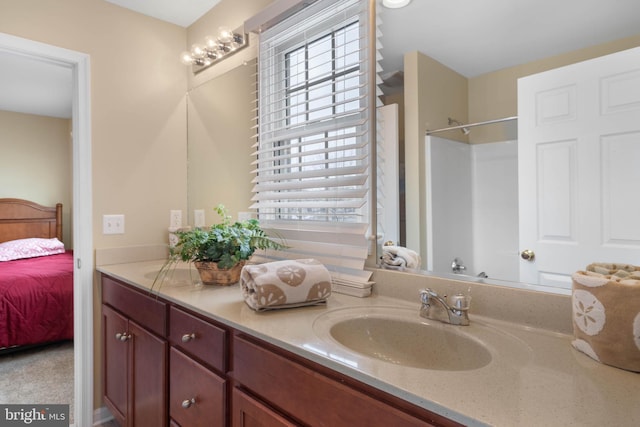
(113, 224)
(198, 218)
(175, 218)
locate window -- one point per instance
(313, 171)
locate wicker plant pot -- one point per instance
(210, 274)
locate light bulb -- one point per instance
(395, 4)
(211, 42)
(198, 51)
(225, 35)
(186, 58)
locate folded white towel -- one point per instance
(398, 256)
(284, 284)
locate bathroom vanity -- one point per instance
(217, 374)
(189, 355)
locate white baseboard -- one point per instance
(101, 416)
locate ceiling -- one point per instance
(33, 86)
(475, 37)
(470, 36)
(182, 13)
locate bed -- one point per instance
(36, 291)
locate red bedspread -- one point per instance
(36, 300)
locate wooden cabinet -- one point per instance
(197, 396)
(165, 365)
(135, 359)
(162, 366)
(198, 338)
(198, 362)
(115, 362)
(249, 412)
(311, 394)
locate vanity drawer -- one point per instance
(198, 338)
(197, 396)
(143, 309)
(311, 397)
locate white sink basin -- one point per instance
(400, 336)
(419, 345)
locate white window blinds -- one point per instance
(312, 159)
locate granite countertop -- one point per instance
(534, 378)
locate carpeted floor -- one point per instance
(42, 375)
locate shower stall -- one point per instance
(472, 204)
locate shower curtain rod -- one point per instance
(470, 125)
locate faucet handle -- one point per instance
(428, 293)
(424, 295)
(460, 301)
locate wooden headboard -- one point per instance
(20, 219)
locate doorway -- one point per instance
(81, 212)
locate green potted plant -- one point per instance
(220, 251)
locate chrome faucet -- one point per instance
(457, 266)
(436, 307)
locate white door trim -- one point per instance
(82, 212)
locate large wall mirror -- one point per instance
(484, 47)
(462, 187)
(220, 113)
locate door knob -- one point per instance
(527, 255)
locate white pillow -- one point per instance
(30, 248)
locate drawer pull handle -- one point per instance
(186, 404)
(188, 337)
(122, 336)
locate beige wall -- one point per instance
(138, 114)
(432, 93)
(138, 118)
(220, 113)
(36, 162)
(138, 107)
(494, 95)
(220, 143)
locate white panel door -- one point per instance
(579, 167)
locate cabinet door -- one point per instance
(114, 363)
(148, 362)
(248, 412)
(197, 395)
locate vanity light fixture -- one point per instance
(215, 49)
(395, 4)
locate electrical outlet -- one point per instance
(175, 218)
(113, 224)
(198, 218)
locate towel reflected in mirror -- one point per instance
(399, 257)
